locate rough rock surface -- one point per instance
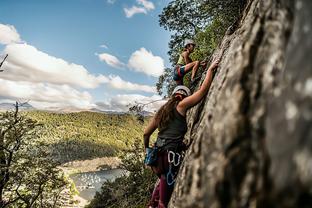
(252, 135)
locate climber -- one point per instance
(171, 123)
(185, 63)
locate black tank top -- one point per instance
(172, 136)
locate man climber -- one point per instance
(185, 63)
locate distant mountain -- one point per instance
(96, 110)
(144, 113)
(64, 109)
(6, 106)
(76, 110)
(106, 111)
(28, 107)
(147, 113)
(10, 106)
(114, 112)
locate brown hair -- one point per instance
(166, 112)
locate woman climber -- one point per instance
(185, 63)
(171, 123)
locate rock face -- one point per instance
(252, 135)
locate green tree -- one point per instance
(165, 85)
(133, 189)
(28, 177)
(203, 20)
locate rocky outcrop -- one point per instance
(252, 135)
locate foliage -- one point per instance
(185, 18)
(165, 84)
(28, 176)
(86, 135)
(205, 21)
(131, 190)
(64, 137)
(137, 110)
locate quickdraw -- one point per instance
(173, 159)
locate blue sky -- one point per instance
(82, 53)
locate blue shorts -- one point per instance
(179, 72)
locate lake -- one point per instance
(88, 183)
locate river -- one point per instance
(90, 182)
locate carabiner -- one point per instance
(174, 163)
(170, 176)
(171, 156)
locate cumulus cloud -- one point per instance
(44, 80)
(144, 8)
(118, 83)
(26, 63)
(146, 4)
(144, 61)
(111, 60)
(111, 1)
(46, 94)
(47, 81)
(122, 102)
(8, 34)
(104, 46)
(134, 10)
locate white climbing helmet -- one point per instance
(189, 41)
(182, 90)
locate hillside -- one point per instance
(251, 135)
(87, 135)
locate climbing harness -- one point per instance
(174, 159)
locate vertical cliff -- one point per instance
(252, 135)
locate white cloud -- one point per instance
(26, 63)
(144, 61)
(122, 102)
(111, 60)
(30, 74)
(134, 10)
(146, 4)
(104, 46)
(111, 1)
(47, 81)
(8, 34)
(118, 83)
(45, 95)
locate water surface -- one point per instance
(88, 183)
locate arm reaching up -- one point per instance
(192, 100)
